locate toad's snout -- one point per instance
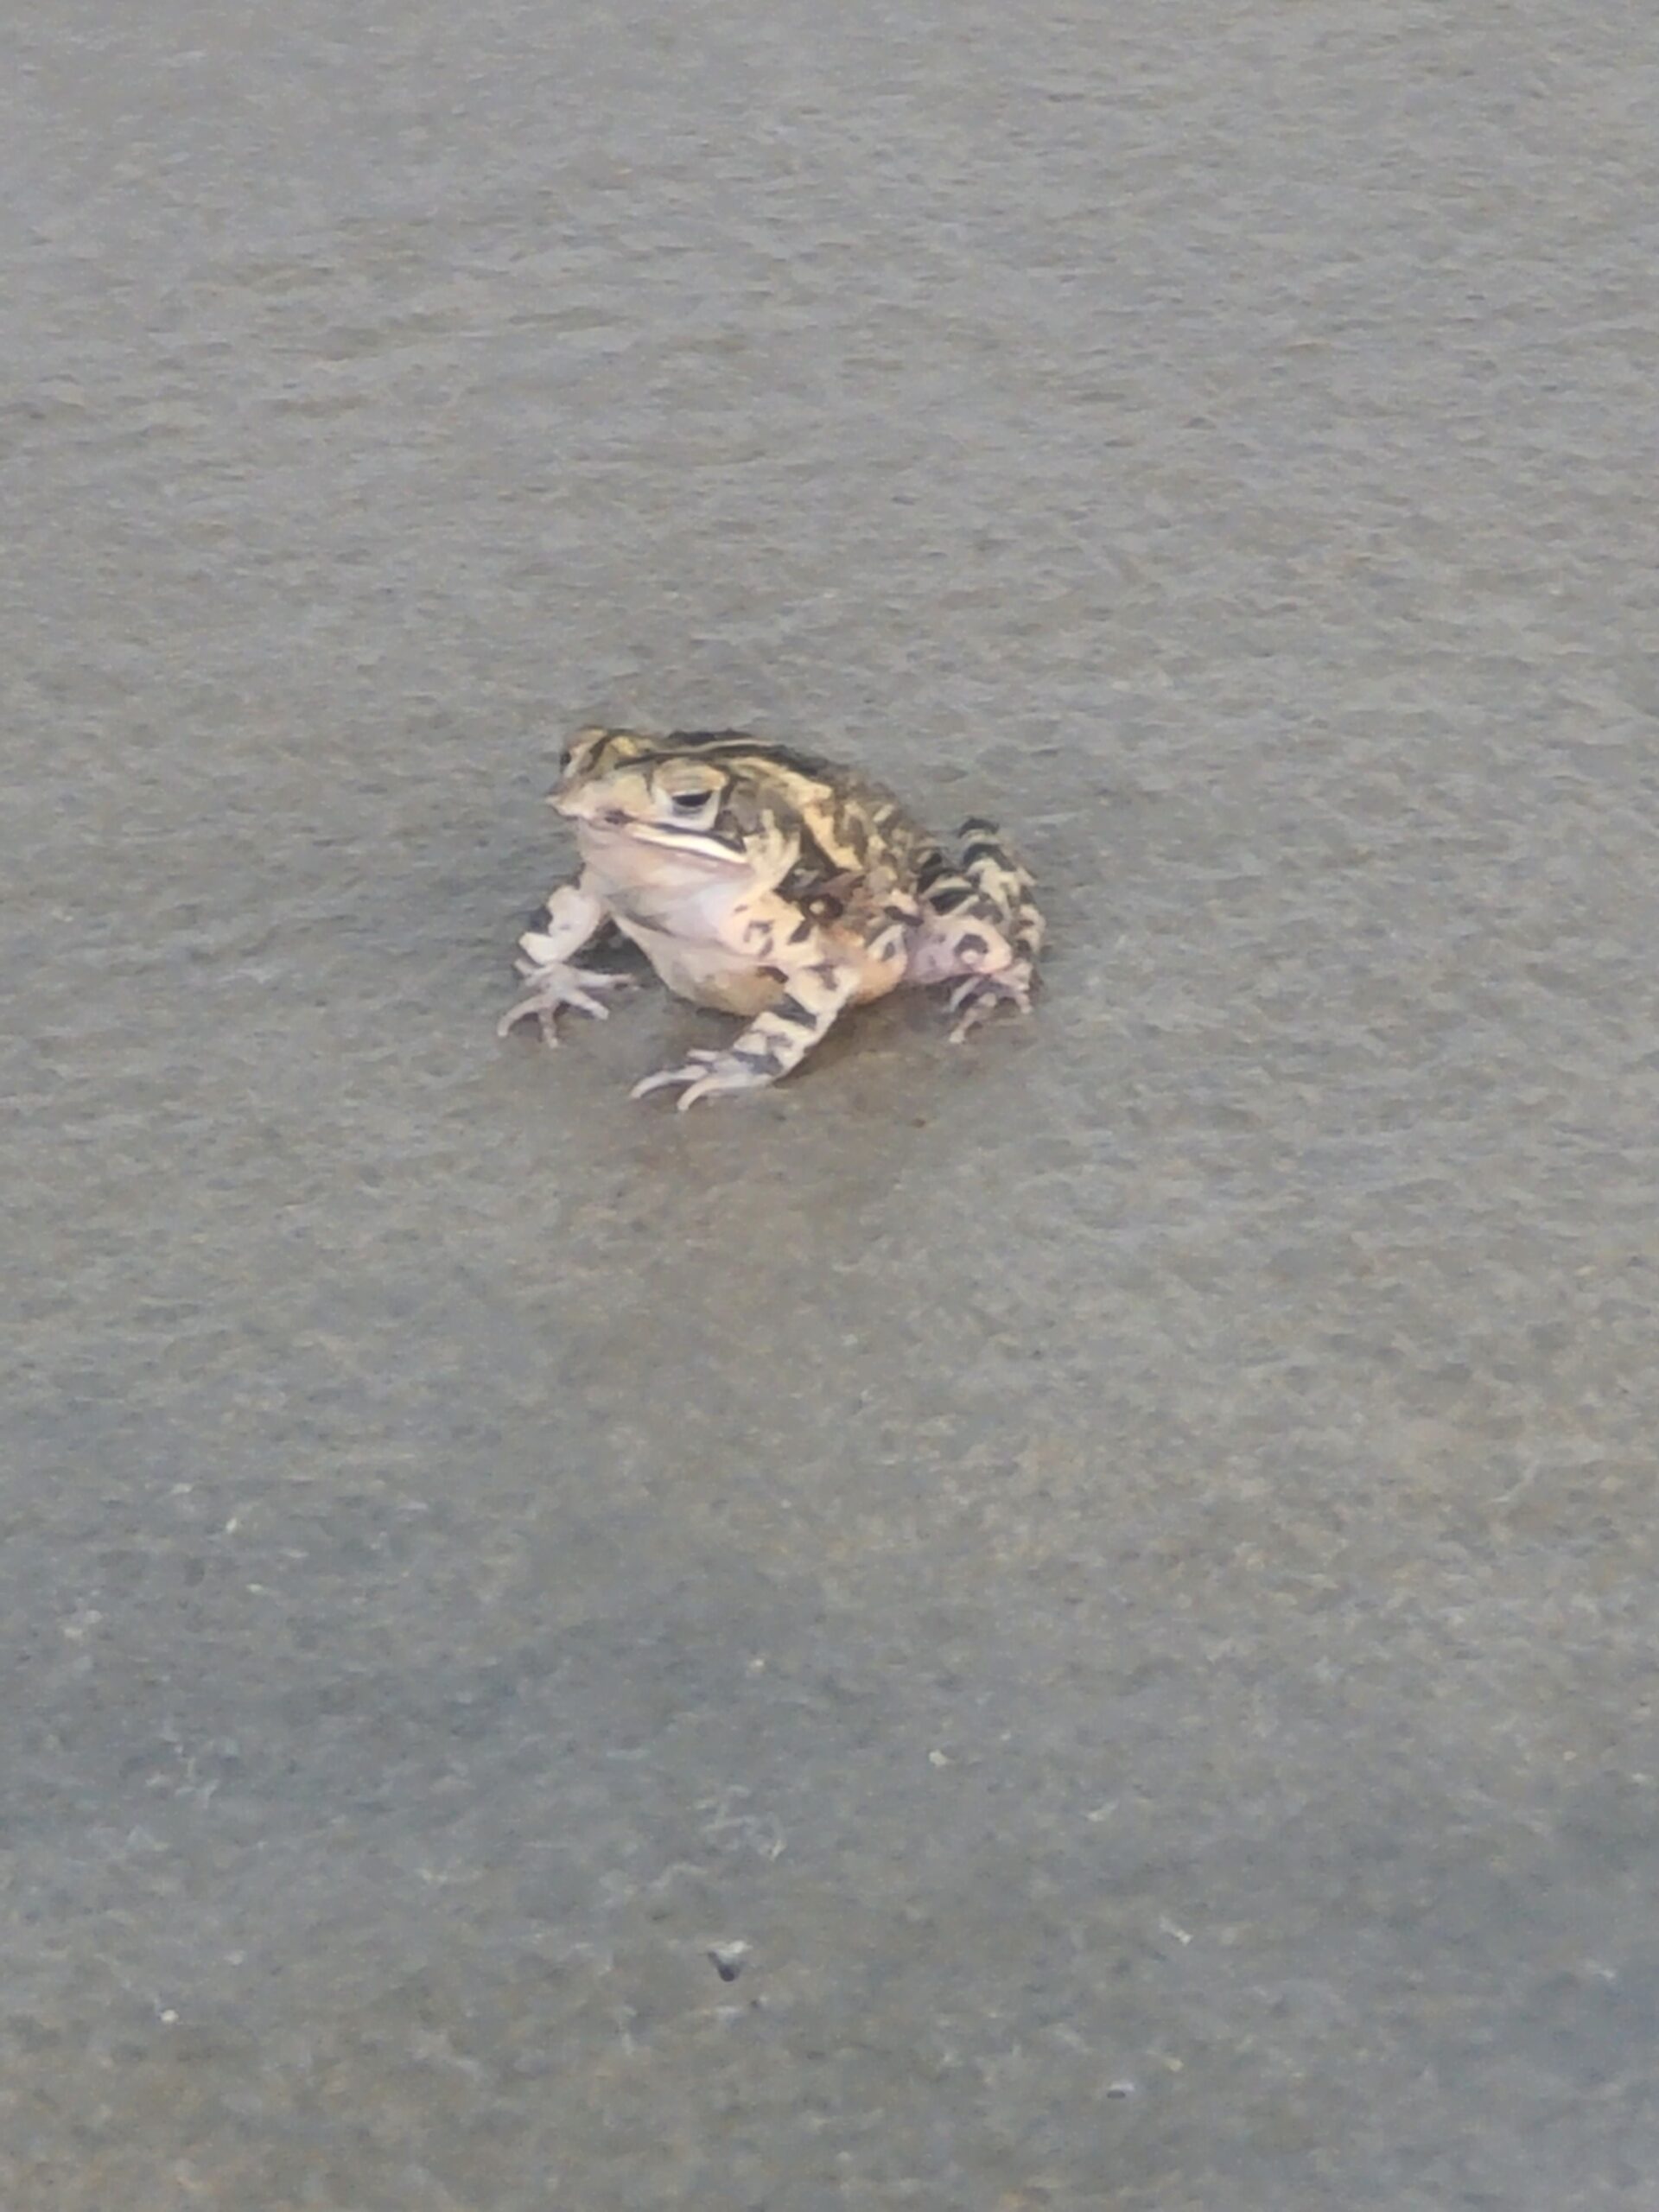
(579, 806)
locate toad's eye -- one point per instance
(691, 802)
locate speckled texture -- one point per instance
(1119, 1561)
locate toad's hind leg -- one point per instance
(997, 876)
(988, 899)
(776, 1041)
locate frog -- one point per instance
(767, 882)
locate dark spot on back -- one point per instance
(854, 832)
(947, 901)
(814, 857)
(814, 875)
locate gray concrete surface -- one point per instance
(1118, 1562)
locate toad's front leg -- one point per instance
(775, 1042)
(573, 915)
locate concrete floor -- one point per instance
(1119, 1561)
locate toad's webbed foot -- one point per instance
(559, 985)
(706, 1074)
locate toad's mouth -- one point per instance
(611, 826)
